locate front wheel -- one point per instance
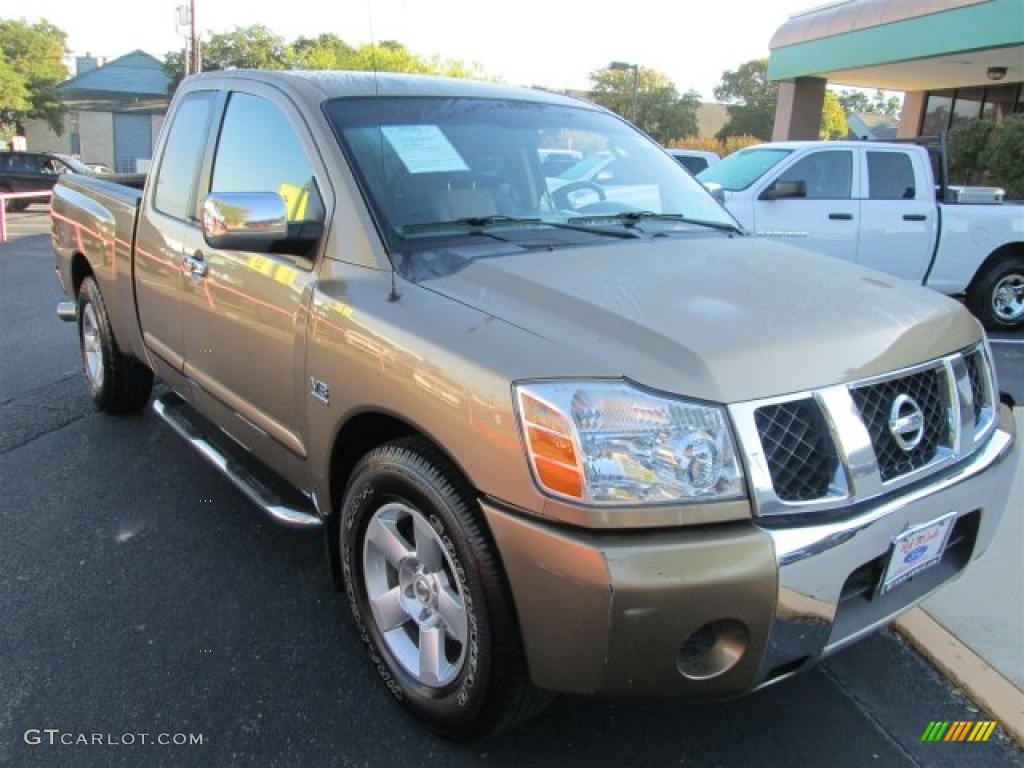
(429, 596)
(997, 296)
(117, 383)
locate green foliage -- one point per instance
(751, 100)
(833, 118)
(882, 103)
(252, 47)
(1003, 156)
(661, 110)
(256, 47)
(324, 52)
(30, 70)
(722, 147)
(966, 149)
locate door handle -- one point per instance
(841, 216)
(914, 217)
(195, 266)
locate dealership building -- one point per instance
(956, 61)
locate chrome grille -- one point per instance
(875, 403)
(975, 373)
(801, 455)
(829, 448)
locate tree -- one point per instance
(833, 118)
(1003, 157)
(880, 104)
(967, 151)
(660, 109)
(326, 51)
(252, 47)
(751, 100)
(256, 47)
(30, 70)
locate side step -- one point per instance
(284, 504)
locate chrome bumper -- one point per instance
(828, 572)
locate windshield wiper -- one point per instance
(632, 218)
(479, 224)
(472, 223)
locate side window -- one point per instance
(890, 176)
(176, 176)
(258, 151)
(828, 175)
(29, 164)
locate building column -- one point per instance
(798, 112)
(911, 114)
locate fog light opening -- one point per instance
(713, 649)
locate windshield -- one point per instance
(741, 169)
(472, 177)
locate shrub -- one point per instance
(967, 145)
(1004, 156)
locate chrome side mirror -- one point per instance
(244, 221)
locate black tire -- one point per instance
(481, 687)
(117, 383)
(996, 297)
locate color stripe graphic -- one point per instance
(959, 730)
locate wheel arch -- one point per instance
(359, 435)
(999, 255)
(80, 269)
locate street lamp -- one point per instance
(622, 66)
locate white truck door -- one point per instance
(899, 217)
(823, 215)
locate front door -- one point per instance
(826, 220)
(245, 320)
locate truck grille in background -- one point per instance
(875, 401)
(801, 456)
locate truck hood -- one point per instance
(720, 318)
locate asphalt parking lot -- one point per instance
(142, 594)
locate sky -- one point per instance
(550, 43)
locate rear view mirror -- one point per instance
(244, 221)
(785, 190)
(716, 191)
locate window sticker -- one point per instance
(424, 148)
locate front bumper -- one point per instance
(715, 611)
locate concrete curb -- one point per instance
(992, 692)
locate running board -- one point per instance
(294, 511)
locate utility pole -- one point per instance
(185, 26)
(197, 56)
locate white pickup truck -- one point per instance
(878, 205)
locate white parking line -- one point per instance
(1006, 341)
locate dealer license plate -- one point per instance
(916, 549)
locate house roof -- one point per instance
(870, 125)
(133, 75)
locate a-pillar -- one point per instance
(798, 112)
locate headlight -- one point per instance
(609, 442)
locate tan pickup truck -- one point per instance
(563, 434)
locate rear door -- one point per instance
(168, 211)
(245, 318)
(826, 220)
(898, 215)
